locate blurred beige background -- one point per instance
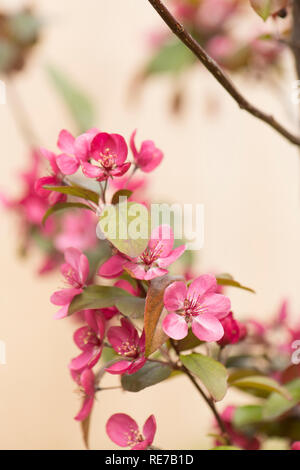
(245, 174)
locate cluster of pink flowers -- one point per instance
(190, 305)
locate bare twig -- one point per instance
(218, 73)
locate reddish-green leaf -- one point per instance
(122, 193)
(227, 280)
(266, 8)
(155, 336)
(60, 206)
(77, 191)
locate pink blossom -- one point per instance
(75, 271)
(126, 342)
(212, 14)
(233, 331)
(86, 382)
(124, 431)
(78, 230)
(158, 255)
(108, 154)
(90, 340)
(197, 305)
(148, 157)
(296, 445)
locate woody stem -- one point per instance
(208, 400)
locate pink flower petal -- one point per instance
(149, 429)
(119, 367)
(91, 171)
(64, 296)
(173, 256)
(121, 428)
(216, 304)
(204, 284)
(162, 237)
(136, 365)
(207, 328)
(113, 267)
(175, 295)
(152, 273)
(67, 164)
(62, 312)
(66, 142)
(175, 326)
(132, 144)
(86, 409)
(135, 270)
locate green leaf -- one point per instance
(211, 373)
(172, 57)
(258, 382)
(189, 342)
(122, 193)
(76, 191)
(126, 226)
(227, 280)
(60, 206)
(78, 104)
(248, 414)
(131, 306)
(266, 8)
(94, 297)
(276, 405)
(151, 374)
(154, 333)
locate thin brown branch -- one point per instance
(218, 73)
(209, 401)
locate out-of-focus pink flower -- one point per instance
(86, 382)
(124, 431)
(296, 445)
(233, 331)
(265, 52)
(237, 438)
(148, 157)
(158, 255)
(197, 305)
(108, 154)
(90, 340)
(212, 14)
(78, 230)
(75, 271)
(134, 183)
(113, 267)
(126, 342)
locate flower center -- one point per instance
(72, 278)
(107, 160)
(191, 308)
(151, 255)
(128, 350)
(133, 437)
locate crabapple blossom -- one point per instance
(148, 157)
(158, 255)
(75, 271)
(124, 431)
(197, 306)
(108, 156)
(126, 342)
(234, 331)
(90, 340)
(152, 263)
